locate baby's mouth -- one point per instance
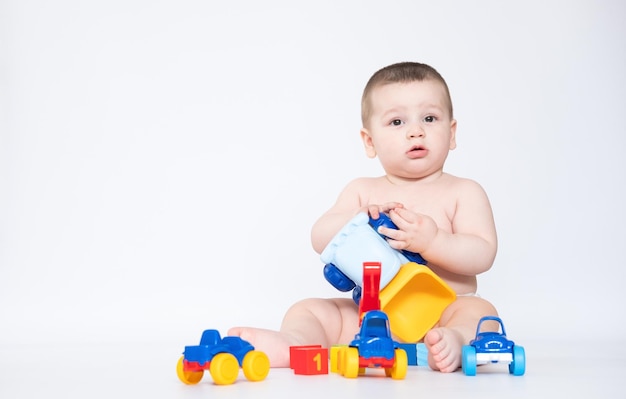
(417, 152)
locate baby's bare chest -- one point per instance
(438, 205)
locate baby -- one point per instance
(408, 123)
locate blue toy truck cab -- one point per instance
(211, 344)
(374, 342)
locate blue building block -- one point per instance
(417, 354)
(421, 354)
(411, 353)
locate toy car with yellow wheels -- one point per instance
(223, 357)
(373, 347)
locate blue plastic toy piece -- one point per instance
(211, 344)
(421, 354)
(356, 294)
(417, 354)
(493, 347)
(385, 221)
(337, 279)
(469, 360)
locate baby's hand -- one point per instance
(375, 210)
(415, 231)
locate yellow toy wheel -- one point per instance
(400, 365)
(224, 368)
(256, 365)
(341, 360)
(188, 377)
(351, 363)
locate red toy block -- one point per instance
(294, 357)
(308, 359)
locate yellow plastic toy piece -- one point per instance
(188, 377)
(414, 300)
(224, 368)
(256, 365)
(349, 363)
(334, 358)
(400, 367)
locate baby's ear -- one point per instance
(370, 151)
(453, 134)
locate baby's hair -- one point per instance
(402, 72)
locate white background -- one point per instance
(162, 162)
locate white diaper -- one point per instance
(469, 294)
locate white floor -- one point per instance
(148, 371)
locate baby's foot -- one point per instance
(444, 349)
(273, 343)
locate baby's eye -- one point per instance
(396, 122)
(430, 119)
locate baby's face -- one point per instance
(410, 128)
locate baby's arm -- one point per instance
(350, 202)
(468, 249)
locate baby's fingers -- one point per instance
(373, 211)
(390, 206)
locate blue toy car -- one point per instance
(493, 347)
(373, 347)
(222, 357)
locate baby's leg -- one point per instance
(457, 327)
(309, 322)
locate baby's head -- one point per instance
(402, 72)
